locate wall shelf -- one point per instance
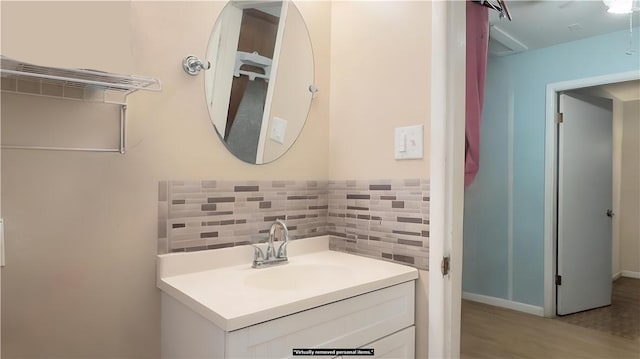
(74, 84)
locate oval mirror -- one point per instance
(258, 90)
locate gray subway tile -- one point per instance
(220, 213)
(220, 245)
(162, 191)
(407, 233)
(220, 199)
(265, 205)
(208, 184)
(356, 208)
(409, 220)
(246, 188)
(208, 207)
(410, 242)
(208, 234)
(296, 197)
(358, 196)
(397, 204)
(162, 229)
(403, 258)
(412, 182)
(319, 207)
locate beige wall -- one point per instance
(630, 189)
(81, 232)
(81, 227)
(616, 195)
(380, 79)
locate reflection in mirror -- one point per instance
(258, 88)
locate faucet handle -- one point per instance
(258, 254)
(282, 250)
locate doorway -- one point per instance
(551, 224)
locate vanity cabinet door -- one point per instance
(349, 323)
(396, 345)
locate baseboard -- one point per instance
(630, 274)
(504, 303)
(616, 276)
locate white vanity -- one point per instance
(214, 305)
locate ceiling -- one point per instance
(542, 23)
(621, 91)
(624, 91)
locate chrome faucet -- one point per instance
(270, 256)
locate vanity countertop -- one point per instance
(221, 286)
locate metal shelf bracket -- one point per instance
(93, 85)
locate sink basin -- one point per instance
(295, 276)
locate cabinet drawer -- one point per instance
(350, 323)
(397, 345)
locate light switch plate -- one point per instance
(409, 142)
(278, 129)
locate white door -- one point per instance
(584, 197)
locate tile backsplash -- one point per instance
(385, 219)
(199, 215)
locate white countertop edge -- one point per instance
(231, 324)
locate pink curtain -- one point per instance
(477, 47)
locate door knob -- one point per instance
(610, 213)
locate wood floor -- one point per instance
(492, 332)
(621, 318)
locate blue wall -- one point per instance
(524, 78)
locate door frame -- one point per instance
(447, 145)
(550, 170)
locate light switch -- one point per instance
(278, 129)
(409, 142)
